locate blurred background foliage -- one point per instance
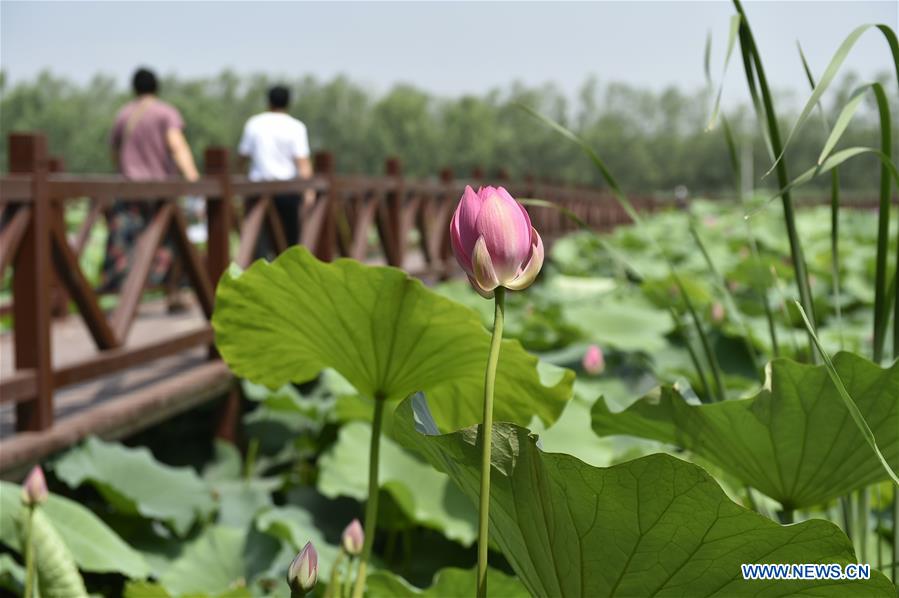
(653, 141)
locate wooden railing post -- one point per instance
(326, 240)
(219, 222)
(31, 284)
(219, 214)
(60, 304)
(395, 243)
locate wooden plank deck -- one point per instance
(122, 402)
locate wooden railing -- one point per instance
(340, 217)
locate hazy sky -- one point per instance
(447, 48)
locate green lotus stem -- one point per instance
(371, 508)
(29, 552)
(679, 327)
(487, 441)
(250, 461)
(835, 246)
(862, 525)
(846, 512)
(786, 516)
(877, 526)
(345, 590)
(706, 347)
(896, 350)
(731, 303)
(896, 536)
(335, 590)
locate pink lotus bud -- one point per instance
(717, 312)
(594, 362)
(34, 489)
(494, 241)
(303, 571)
(353, 538)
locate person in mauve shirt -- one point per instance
(147, 143)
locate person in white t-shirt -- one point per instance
(277, 148)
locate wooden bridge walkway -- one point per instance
(69, 369)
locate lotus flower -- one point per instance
(34, 489)
(594, 362)
(494, 242)
(353, 538)
(717, 312)
(303, 571)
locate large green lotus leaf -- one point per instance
(451, 581)
(144, 589)
(94, 545)
(426, 496)
(628, 324)
(295, 526)
(134, 482)
(794, 440)
(240, 500)
(653, 526)
(382, 330)
(210, 564)
(12, 575)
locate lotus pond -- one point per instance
(714, 387)
(637, 454)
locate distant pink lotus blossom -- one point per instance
(353, 538)
(594, 362)
(717, 312)
(303, 571)
(494, 242)
(34, 489)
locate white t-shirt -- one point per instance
(273, 141)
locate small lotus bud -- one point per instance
(717, 312)
(594, 362)
(34, 489)
(303, 571)
(353, 538)
(494, 242)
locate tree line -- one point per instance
(652, 140)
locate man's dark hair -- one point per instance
(144, 81)
(278, 97)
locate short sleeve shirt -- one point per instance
(273, 141)
(139, 139)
